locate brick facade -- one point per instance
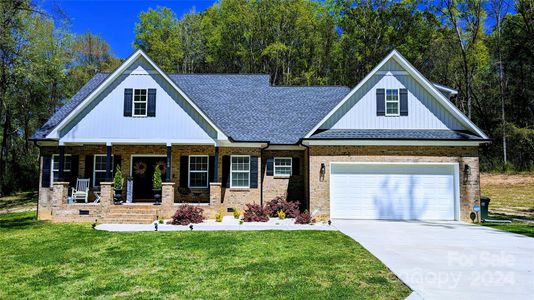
(320, 187)
(314, 196)
(213, 198)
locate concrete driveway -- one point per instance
(450, 260)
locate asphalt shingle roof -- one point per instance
(245, 107)
(394, 134)
(248, 108)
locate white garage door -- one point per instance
(394, 191)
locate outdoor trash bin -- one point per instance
(484, 204)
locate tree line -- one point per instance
(480, 47)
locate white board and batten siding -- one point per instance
(104, 120)
(394, 191)
(424, 111)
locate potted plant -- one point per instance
(156, 185)
(117, 185)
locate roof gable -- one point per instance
(395, 63)
(102, 83)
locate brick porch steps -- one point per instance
(131, 214)
(127, 221)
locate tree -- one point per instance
(466, 18)
(89, 54)
(158, 34)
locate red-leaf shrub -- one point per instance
(291, 208)
(186, 214)
(255, 213)
(304, 218)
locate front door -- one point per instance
(143, 172)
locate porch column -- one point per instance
(168, 166)
(61, 162)
(216, 165)
(108, 162)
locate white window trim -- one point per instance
(391, 101)
(94, 167)
(52, 167)
(232, 172)
(196, 171)
(290, 167)
(133, 103)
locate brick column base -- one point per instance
(106, 196)
(60, 192)
(167, 194)
(215, 194)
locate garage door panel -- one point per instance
(392, 191)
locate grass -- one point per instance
(18, 202)
(512, 198)
(515, 227)
(511, 195)
(61, 261)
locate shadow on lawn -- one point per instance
(18, 200)
(18, 220)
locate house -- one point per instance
(393, 147)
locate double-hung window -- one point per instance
(140, 103)
(282, 166)
(198, 171)
(240, 171)
(392, 102)
(99, 168)
(67, 165)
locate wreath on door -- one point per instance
(140, 168)
(162, 166)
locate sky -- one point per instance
(115, 20)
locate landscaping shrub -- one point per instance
(186, 214)
(255, 213)
(290, 208)
(219, 216)
(237, 213)
(304, 218)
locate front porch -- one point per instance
(62, 165)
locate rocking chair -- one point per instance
(81, 192)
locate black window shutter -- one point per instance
(380, 102)
(403, 102)
(74, 160)
(254, 172)
(89, 168)
(226, 171)
(151, 112)
(47, 162)
(184, 171)
(211, 169)
(270, 166)
(295, 166)
(117, 162)
(128, 93)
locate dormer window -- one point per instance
(392, 102)
(140, 103)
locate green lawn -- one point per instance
(515, 227)
(44, 260)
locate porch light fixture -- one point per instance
(467, 172)
(322, 172)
